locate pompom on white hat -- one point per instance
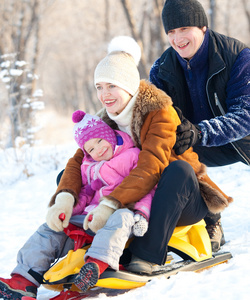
(119, 67)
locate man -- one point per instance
(207, 75)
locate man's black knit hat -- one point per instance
(183, 13)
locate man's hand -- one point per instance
(187, 134)
(98, 217)
(63, 204)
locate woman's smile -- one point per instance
(112, 97)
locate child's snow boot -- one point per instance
(89, 273)
(16, 287)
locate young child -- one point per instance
(109, 157)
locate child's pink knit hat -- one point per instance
(89, 127)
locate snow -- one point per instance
(28, 180)
(15, 72)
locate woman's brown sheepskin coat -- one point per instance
(153, 127)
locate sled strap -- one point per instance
(38, 277)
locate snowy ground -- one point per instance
(24, 204)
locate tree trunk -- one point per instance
(213, 14)
(135, 34)
(246, 12)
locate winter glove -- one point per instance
(141, 225)
(187, 134)
(98, 217)
(63, 204)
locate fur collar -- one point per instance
(149, 99)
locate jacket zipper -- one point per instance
(217, 103)
(190, 74)
(209, 102)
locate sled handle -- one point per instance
(62, 216)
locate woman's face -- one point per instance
(99, 149)
(186, 40)
(112, 97)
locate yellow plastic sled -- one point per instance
(191, 243)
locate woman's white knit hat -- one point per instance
(120, 65)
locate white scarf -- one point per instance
(123, 120)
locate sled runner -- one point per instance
(191, 244)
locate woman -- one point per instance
(184, 194)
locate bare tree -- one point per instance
(157, 37)
(149, 33)
(247, 12)
(135, 34)
(107, 23)
(82, 29)
(21, 23)
(212, 14)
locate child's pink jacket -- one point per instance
(110, 174)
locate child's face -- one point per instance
(186, 40)
(99, 149)
(112, 97)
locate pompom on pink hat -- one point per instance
(89, 127)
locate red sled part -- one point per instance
(79, 236)
(69, 295)
(64, 295)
